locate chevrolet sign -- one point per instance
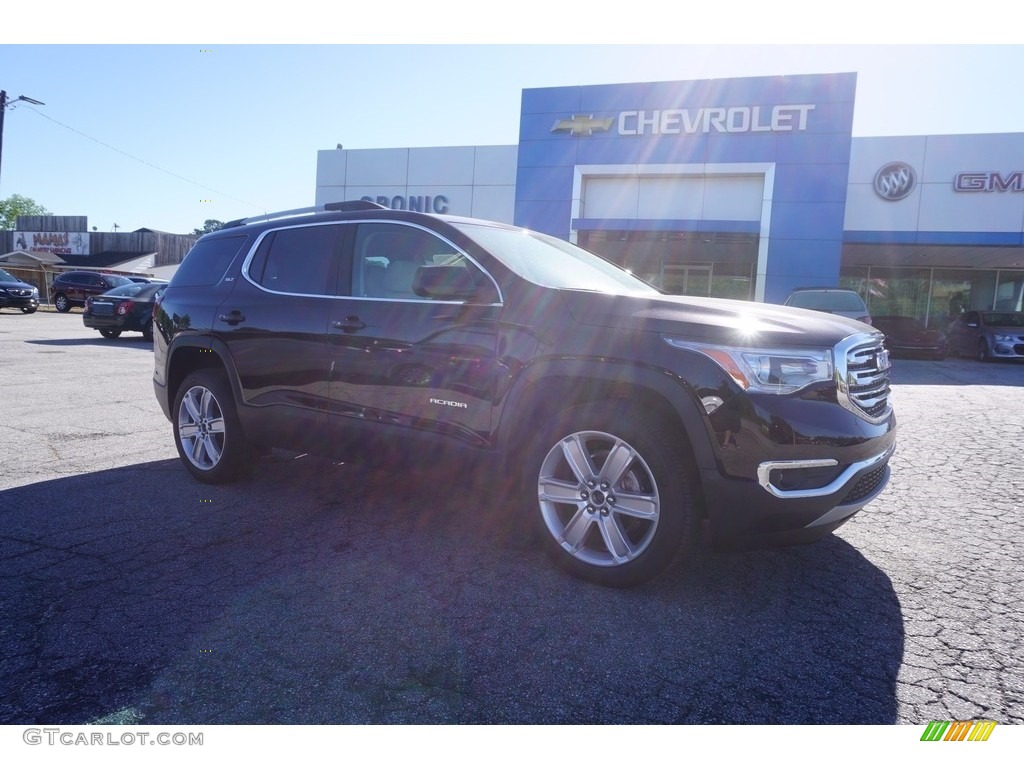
(782, 118)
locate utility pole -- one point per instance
(4, 103)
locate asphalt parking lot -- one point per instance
(320, 592)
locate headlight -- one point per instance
(775, 371)
(1001, 337)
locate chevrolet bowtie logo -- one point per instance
(583, 125)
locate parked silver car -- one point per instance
(988, 335)
(836, 301)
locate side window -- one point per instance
(297, 260)
(387, 256)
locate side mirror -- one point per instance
(444, 282)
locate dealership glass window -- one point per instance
(683, 263)
(936, 297)
(898, 291)
(954, 291)
(1010, 291)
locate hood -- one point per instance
(723, 321)
(16, 284)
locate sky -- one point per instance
(169, 132)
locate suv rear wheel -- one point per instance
(615, 496)
(207, 433)
(62, 303)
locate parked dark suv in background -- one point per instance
(71, 289)
(614, 417)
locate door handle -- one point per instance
(232, 318)
(350, 324)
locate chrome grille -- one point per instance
(862, 373)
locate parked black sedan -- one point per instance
(17, 293)
(908, 337)
(125, 308)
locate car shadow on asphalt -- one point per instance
(319, 592)
(128, 341)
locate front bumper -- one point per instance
(19, 302)
(747, 514)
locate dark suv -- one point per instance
(71, 289)
(617, 418)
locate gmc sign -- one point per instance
(989, 181)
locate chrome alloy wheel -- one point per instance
(201, 427)
(598, 498)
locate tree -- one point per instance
(210, 225)
(18, 205)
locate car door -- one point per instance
(274, 324)
(414, 362)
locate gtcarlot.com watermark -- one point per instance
(70, 737)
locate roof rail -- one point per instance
(344, 205)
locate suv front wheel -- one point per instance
(615, 494)
(207, 433)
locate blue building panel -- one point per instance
(816, 149)
(610, 151)
(550, 184)
(677, 95)
(611, 98)
(811, 183)
(541, 216)
(808, 220)
(740, 148)
(547, 153)
(690, 150)
(550, 100)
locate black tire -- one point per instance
(109, 333)
(62, 303)
(614, 494)
(213, 448)
(28, 310)
(983, 353)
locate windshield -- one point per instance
(5, 275)
(554, 263)
(1005, 319)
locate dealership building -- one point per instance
(742, 188)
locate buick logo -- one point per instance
(894, 181)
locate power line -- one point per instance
(144, 162)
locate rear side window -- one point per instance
(297, 260)
(208, 260)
